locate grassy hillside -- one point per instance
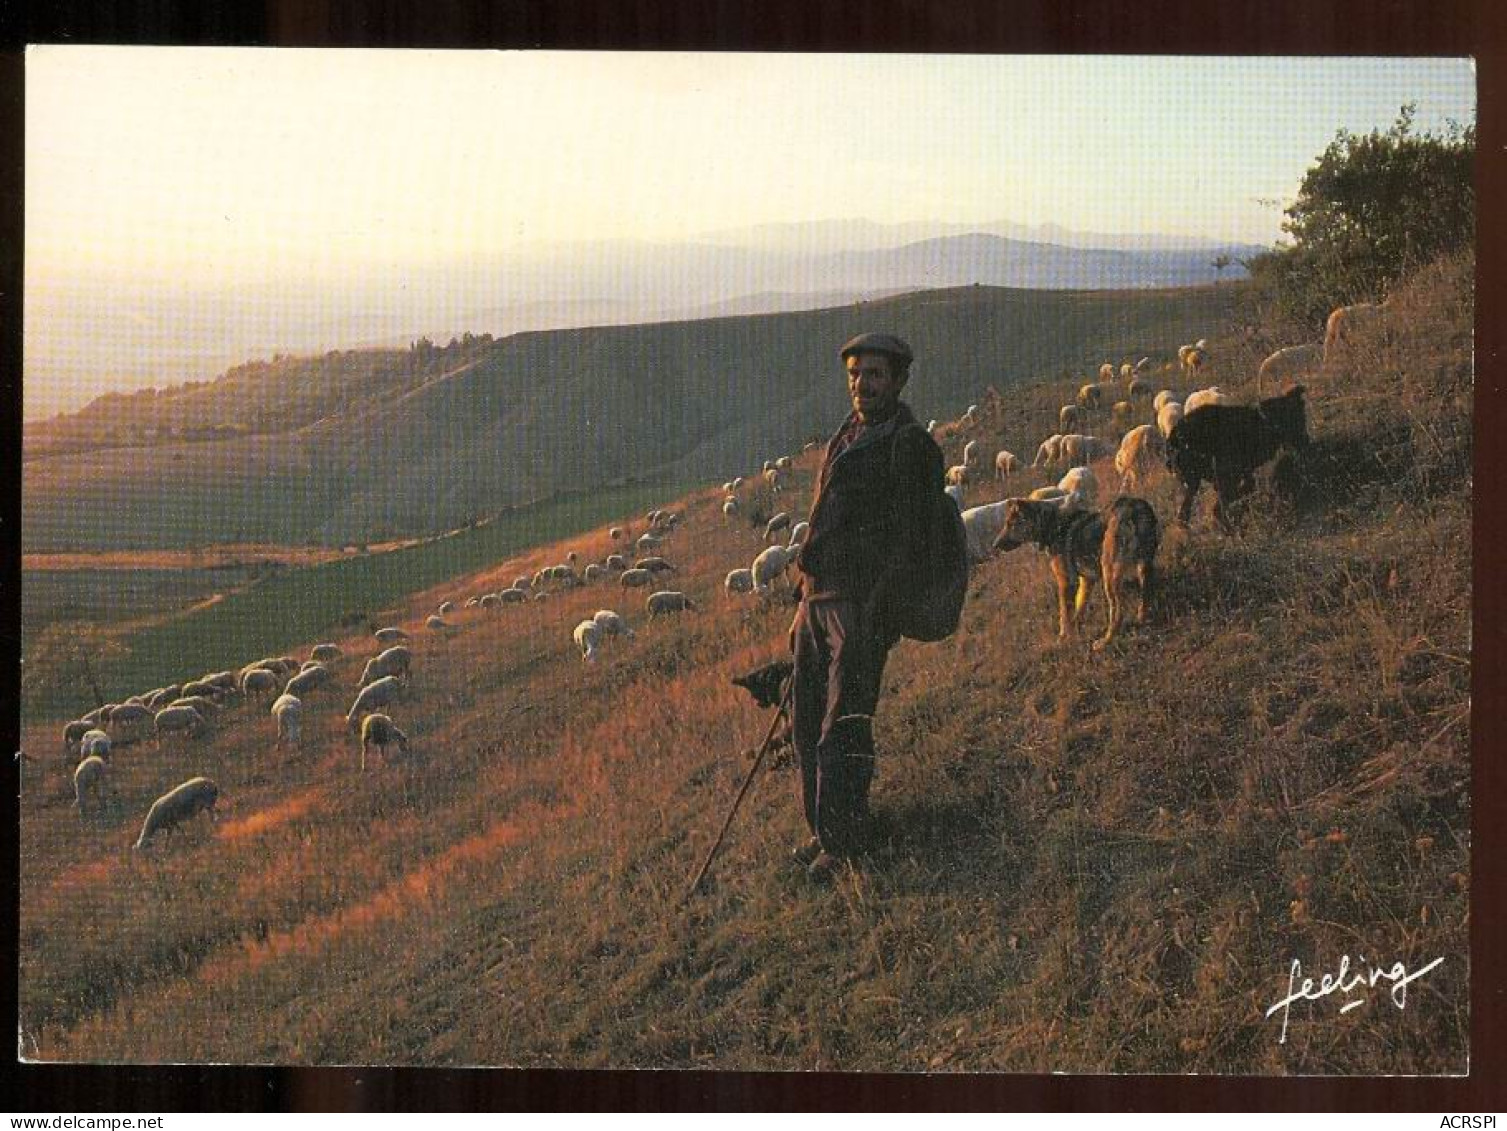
(1085, 862)
(363, 446)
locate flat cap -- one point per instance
(886, 344)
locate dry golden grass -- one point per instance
(1084, 862)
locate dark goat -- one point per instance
(1225, 444)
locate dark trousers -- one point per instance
(837, 673)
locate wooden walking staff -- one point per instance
(752, 770)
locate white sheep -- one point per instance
(1290, 363)
(309, 679)
(971, 454)
(288, 711)
(1082, 482)
(738, 581)
(769, 565)
(798, 534)
(197, 795)
(955, 492)
(1079, 450)
(509, 596)
(326, 653)
(615, 562)
(390, 635)
(776, 524)
(395, 661)
(588, 638)
(612, 624)
(636, 578)
(521, 583)
(616, 533)
(593, 572)
(729, 506)
(647, 542)
(1212, 395)
(435, 623)
(95, 744)
(1106, 373)
(982, 526)
(668, 601)
(1160, 399)
(1088, 396)
(1141, 449)
(1049, 452)
(737, 482)
(1006, 464)
(128, 716)
(1050, 494)
(177, 718)
(1127, 372)
(492, 600)
(772, 477)
(1191, 358)
(384, 691)
(1167, 418)
(448, 607)
(73, 734)
(957, 476)
(1069, 418)
(782, 464)
(768, 466)
(654, 565)
(380, 731)
(89, 779)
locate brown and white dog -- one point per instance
(1087, 546)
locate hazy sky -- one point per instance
(221, 163)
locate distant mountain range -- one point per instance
(85, 335)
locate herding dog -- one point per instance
(1086, 546)
(768, 686)
(1225, 444)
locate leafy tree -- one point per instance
(1372, 208)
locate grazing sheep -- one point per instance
(1051, 494)
(737, 482)
(95, 744)
(1127, 371)
(197, 795)
(89, 778)
(128, 717)
(1290, 364)
(448, 607)
(1006, 464)
(612, 624)
(1191, 358)
(1163, 397)
(510, 596)
(1120, 415)
(205, 707)
(1106, 373)
(493, 600)
(162, 697)
(798, 534)
(1088, 396)
(1079, 451)
(395, 661)
(1167, 417)
(668, 601)
(588, 638)
(738, 581)
(768, 465)
(435, 623)
(73, 733)
(955, 492)
(1080, 488)
(971, 417)
(1142, 449)
(384, 691)
(647, 542)
(200, 688)
(308, 680)
(1138, 387)
(654, 565)
(472, 602)
(1204, 397)
(1344, 321)
(390, 635)
(616, 562)
(772, 477)
(957, 476)
(1049, 452)
(782, 464)
(635, 578)
(616, 533)
(380, 731)
(971, 454)
(521, 583)
(769, 565)
(776, 524)
(729, 506)
(288, 711)
(981, 525)
(326, 653)
(1069, 418)
(592, 572)
(99, 715)
(1225, 444)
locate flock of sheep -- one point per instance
(288, 683)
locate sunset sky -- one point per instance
(219, 164)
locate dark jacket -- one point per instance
(868, 513)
